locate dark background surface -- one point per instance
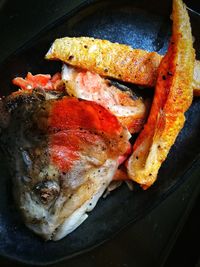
(171, 230)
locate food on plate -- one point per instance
(67, 136)
(44, 81)
(107, 59)
(130, 109)
(196, 78)
(173, 96)
(63, 154)
(113, 60)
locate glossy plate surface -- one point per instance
(141, 26)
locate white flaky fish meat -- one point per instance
(130, 109)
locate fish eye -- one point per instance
(47, 191)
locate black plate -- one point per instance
(142, 26)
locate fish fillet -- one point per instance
(130, 109)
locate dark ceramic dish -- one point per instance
(140, 25)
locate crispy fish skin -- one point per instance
(173, 96)
(113, 60)
(107, 59)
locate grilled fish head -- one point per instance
(63, 153)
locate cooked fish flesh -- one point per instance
(173, 96)
(44, 81)
(130, 109)
(113, 60)
(63, 153)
